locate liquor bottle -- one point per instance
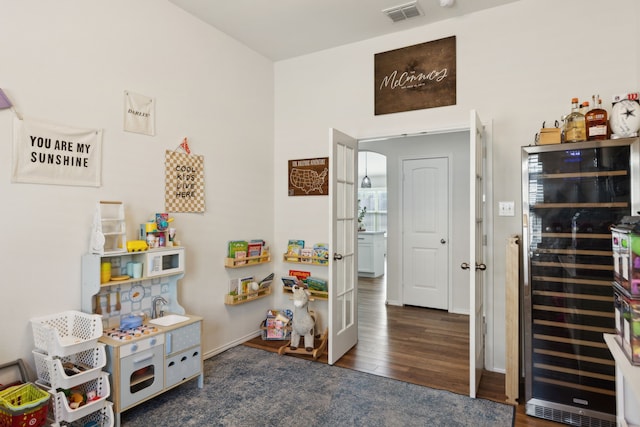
(574, 126)
(584, 107)
(596, 121)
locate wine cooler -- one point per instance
(572, 194)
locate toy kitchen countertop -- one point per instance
(117, 337)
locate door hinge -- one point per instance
(484, 240)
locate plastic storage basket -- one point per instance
(54, 373)
(101, 418)
(63, 412)
(66, 333)
(23, 406)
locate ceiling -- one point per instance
(283, 29)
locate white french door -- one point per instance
(476, 264)
(343, 309)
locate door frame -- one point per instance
(489, 252)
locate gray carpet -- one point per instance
(247, 387)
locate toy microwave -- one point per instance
(164, 261)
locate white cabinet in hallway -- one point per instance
(371, 250)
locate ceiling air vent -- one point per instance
(403, 11)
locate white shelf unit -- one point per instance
(627, 385)
(109, 234)
(71, 337)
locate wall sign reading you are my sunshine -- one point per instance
(416, 77)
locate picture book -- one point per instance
(289, 281)
(266, 282)
(275, 329)
(317, 284)
(234, 285)
(254, 249)
(240, 255)
(293, 249)
(237, 245)
(321, 253)
(306, 255)
(244, 285)
(300, 275)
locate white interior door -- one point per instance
(476, 264)
(425, 225)
(343, 320)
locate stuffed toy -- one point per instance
(303, 321)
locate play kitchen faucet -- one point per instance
(154, 307)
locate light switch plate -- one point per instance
(506, 209)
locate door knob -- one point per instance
(337, 257)
(481, 266)
(443, 241)
(464, 266)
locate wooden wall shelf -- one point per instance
(248, 297)
(298, 259)
(317, 294)
(247, 261)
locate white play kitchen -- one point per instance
(147, 354)
(132, 340)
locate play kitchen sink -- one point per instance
(168, 320)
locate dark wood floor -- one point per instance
(416, 345)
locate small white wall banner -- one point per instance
(45, 153)
(184, 182)
(139, 114)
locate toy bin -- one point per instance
(101, 418)
(69, 371)
(66, 333)
(23, 406)
(63, 411)
(630, 339)
(276, 325)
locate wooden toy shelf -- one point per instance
(247, 261)
(248, 297)
(298, 259)
(317, 294)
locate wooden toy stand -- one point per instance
(317, 351)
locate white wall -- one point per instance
(517, 65)
(69, 62)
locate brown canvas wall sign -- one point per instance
(184, 182)
(416, 77)
(309, 177)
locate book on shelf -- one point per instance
(289, 281)
(306, 255)
(266, 282)
(254, 249)
(243, 287)
(321, 253)
(234, 286)
(317, 284)
(237, 246)
(293, 249)
(240, 255)
(300, 275)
